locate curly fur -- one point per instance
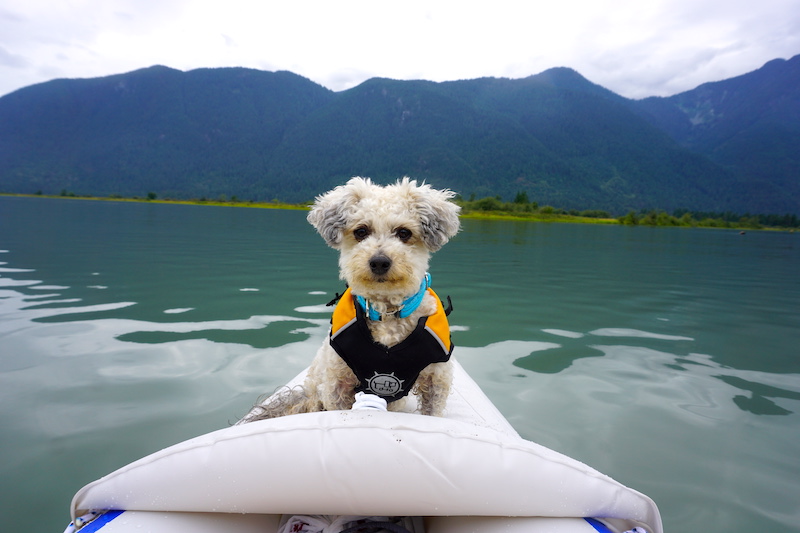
(403, 222)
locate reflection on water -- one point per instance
(666, 358)
(46, 321)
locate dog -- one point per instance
(389, 334)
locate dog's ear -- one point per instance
(331, 211)
(437, 214)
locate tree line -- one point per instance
(523, 207)
(727, 219)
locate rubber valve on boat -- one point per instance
(365, 400)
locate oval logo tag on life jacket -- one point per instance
(384, 384)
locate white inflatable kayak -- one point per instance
(468, 471)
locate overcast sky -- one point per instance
(636, 48)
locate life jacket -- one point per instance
(388, 372)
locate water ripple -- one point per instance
(635, 333)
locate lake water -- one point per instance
(666, 358)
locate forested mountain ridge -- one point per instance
(199, 133)
(556, 136)
(749, 125)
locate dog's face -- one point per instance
(385, 234)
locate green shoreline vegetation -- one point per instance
(523, 209)
(493, 208)
(151, 197)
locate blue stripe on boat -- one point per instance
(598, 525)
(100, 521)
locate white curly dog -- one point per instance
(389, 332)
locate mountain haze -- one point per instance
(749, 125)
(563, 140)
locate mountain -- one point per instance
(201, 133)
(561, 139)
(750, 125)
(261, 135)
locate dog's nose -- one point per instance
(380, 264)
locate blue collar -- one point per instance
(408, 306)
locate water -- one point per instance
(666, 358)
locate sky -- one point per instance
(636, 48)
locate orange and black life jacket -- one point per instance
(388, 372)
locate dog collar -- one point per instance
(408, 306)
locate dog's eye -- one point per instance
(403, 234)
(361, 233)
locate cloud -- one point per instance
(675, 46)
(346, 78)
(631, 47)
(8, 59)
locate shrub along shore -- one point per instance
(522, 208)
(493, 208)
